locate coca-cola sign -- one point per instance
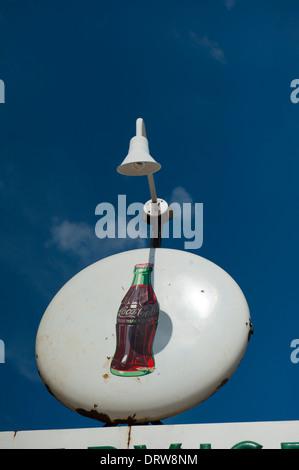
(117, 339)
(136, 326)
(133, 311)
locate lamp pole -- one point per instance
(139, 162)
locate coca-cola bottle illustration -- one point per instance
(137, 320)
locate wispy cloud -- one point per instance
(229, 4)
(186, 215)
(212, 47)
(180, 195)
(74, 237)
(79, 239)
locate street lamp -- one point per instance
(139, 162)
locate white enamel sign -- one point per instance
(142, 335)
(254, 435)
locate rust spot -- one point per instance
(14, 434)
(250, 329)
(107, 363)
(49, 390)
(94, 414)
(129, 436)
(224, 381)
(106, 376)
(202, 290)
(95, 405)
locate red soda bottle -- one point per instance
(136, 326)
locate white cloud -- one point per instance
(229, 4)
(79, 239)
(180, 195)
(187, 222)
(211, 47)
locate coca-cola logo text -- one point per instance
(146, 311)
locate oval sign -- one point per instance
(142, 335)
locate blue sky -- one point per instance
(211, 79)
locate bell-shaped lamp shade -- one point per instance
(138, 162)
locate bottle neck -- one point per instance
(141, 277)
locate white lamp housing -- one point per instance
(138, 162)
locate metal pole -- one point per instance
(156, 241)
(151, 183)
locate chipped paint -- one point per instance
(94, 414)
(129, 436)
(224, 381)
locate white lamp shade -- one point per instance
(138, 162)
